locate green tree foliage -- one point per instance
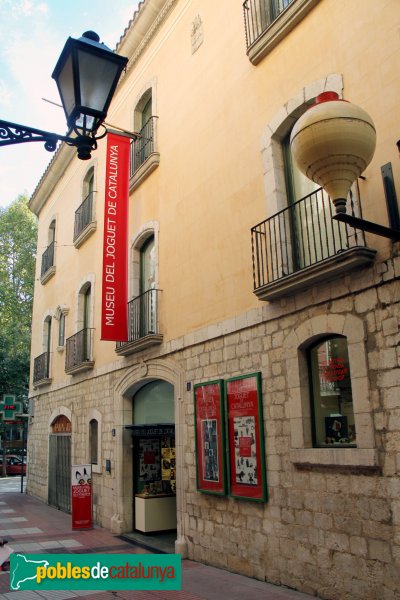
(18, 231)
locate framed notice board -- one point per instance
(210, 437)
(245, 432)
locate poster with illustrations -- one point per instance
(209, 446)
(245, 450)
(149, 460)
(245, 430)
(210, 431)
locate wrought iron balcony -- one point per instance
(301, 245)
(142, 323)
(144, 146)
(78, 351)
(258, 16)
(47, 260)
(41, 368)
(83, 215)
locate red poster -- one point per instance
(245, 435)
(115, 242)
(209, 437)
(81, 480)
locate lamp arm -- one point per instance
(14, 133)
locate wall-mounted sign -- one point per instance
(61, 425)
(210, 438)
(246, 437)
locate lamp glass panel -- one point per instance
(96, 76)
(66, 86)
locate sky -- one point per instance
(32, 36)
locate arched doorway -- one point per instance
(59, 491)
(154, 458)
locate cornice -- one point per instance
(142, 28)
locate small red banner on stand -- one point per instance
(115, 241)
(81, 479)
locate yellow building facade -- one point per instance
(234, 269)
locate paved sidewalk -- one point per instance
(33, 527)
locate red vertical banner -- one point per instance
(115, 241)
(81, 505)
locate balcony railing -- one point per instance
(83, 215)
(41, 366)
(303, 236)
(47, 259)
(142, 321)
(78, 351)
(258, 16)
(144, 146)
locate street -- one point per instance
(32, 526)
(11, 484)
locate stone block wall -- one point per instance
(329, 529)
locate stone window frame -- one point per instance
(95, 415)
(61, 311)
(302, 452)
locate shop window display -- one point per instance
(331, 394)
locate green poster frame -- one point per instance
(244, 413)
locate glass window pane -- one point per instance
(93, 440)
(61, 330)
(331, 394)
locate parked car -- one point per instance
(14, 465)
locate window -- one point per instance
(267, 22)
(331, 395)
(93, 441)
(79, 347)
(60, 315)
(41, 364)
(47, 335)
(144, 157)
(328, 391)
(85, 224)
(61, 330)
(48, 266)
(144, 296)
(298, 245)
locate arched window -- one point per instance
(84, 215)
(93, 441)
(332, 412)
(144, 123)
(48, 264)
(47, 335)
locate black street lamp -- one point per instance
(86, 74)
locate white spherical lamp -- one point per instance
(332, 144)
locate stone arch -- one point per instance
(129, 383)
